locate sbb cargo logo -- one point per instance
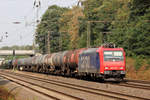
(85, 62)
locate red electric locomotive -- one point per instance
(112, 62)
(103, 62)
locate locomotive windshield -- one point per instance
(113, 56)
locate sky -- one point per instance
(23, 11)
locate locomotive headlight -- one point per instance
(106, 67)
(121, 67)
(21, 68)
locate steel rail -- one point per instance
(138, 81)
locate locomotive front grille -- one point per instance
(114, 72)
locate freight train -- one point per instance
(98, 63)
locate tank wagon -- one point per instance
(100, 63)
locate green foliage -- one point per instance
(5, 95)
(132, 31)
(123, 22)
(148, 63)
(138, 62)
(50, 24)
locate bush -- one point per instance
(138, 62)
(5, 95)
(148, 63)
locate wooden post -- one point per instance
(88, 35)
(48, 43)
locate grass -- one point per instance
(5, 95)
(138, 69)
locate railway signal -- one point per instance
(1, 39)
(37, 6)
(37, 3)
(16, 22)
(6, 34)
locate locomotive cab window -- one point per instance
(113, 56)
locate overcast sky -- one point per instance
(22, 11)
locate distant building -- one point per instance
(17, 52)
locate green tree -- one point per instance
(50, 23)
(70, 20)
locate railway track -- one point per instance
(136, 84)
(56, 95)
(140, 84)
(85, 89)
(138, 81)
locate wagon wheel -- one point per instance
(67, 71)
(63, 71)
